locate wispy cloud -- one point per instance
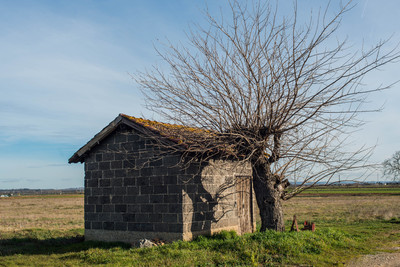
(46, 166)
(64, 65)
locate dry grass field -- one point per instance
(343, 208)
(48, 230)
(48, 212)
(66, 211)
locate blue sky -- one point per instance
(64, 75)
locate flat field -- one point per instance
(48, 231)
(51, 212)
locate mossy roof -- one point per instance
(178, 134)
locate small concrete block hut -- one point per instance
(134, 190)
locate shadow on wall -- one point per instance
(209, 201)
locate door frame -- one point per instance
(238, 179)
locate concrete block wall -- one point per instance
(126, 189)
(209, 197)
(132, 192)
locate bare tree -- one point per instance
(392, 166)
(264, 90)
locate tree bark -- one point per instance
(268, 191)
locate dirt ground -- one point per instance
(377, 260)
(381, 259)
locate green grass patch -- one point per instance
(329, 245)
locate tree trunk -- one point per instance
(268, 195)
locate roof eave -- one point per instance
(79, 155)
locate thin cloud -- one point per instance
(46, 166)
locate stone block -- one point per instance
(161, 227)
(143, 180)
(138, 145)
(92, 200)
(133, 137)
(120, 138)
(92, 166)
(127, 147)
(132, 173)
(89, 208)
(104, 216)
(99, 157)
(97, 225)
(132, 190)
(91, 216)
(107, 191)
(142, 199)
(120, 156)
(129, 217)
(108, 225)
(174, 198)
(149, 208)
(120, 208)
(146, 172)
(108, 156)
(156, 180)
(174, 208)
(96, 174)
(108, 208)
(99, 208)
(129, 181)
(113, 147)
(133, 208)
(119, 190)
(146, 190)
(120, 173)
(156, 162)
(155, 217)
(88, 191)
(96, 191)
(170, 160)
(156, 198)
(174, 189)
(170, 218)
(104, 200)
(170, 179)
(92, 183)
(128, 199)
(160, 189)
(104, 165)
(160, 208)
(173, 170)
(175, 228)
(142, 217)
(88, 175)
(159, 171)
(117, 216)
(128, 164)
(117, 164)
(108, 174)
(117, 199)
(121, 226)
(140, 227)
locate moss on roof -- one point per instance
(177, 133)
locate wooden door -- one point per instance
(244, 201)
